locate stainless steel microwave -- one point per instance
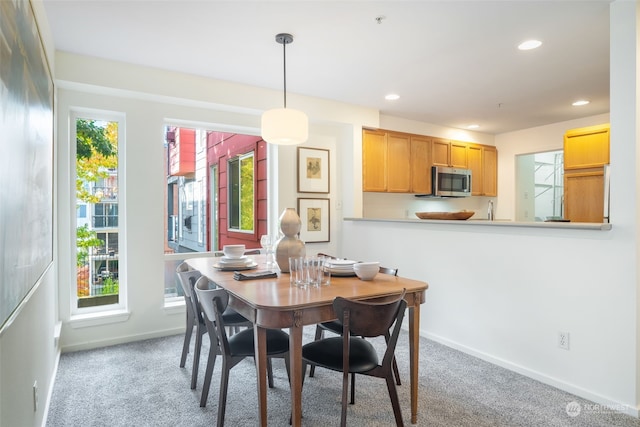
(450, 182)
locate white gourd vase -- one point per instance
(289, 245)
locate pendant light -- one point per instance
(284, 126)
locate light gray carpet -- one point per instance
(141, 384)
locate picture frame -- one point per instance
(313, 170)
(27, 121)
(315, 217)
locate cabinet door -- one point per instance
(474, 163)
(584, 196)
(440, 152)
(586, 147)
(458, 155)
(420, 165)
(490, 171)
(398, 162)
(374, 160)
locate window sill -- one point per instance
(174, 306)
(98, 318)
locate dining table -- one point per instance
(276, 303)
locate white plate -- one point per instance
(249, 266)
(340, 262)
(224, 259)
(340, 268)
(235, 261)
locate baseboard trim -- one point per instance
(121, 340)
(554, 382)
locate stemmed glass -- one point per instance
(267, 242)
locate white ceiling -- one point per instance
(453, 63)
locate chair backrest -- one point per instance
(187, 277)
(326, 255)
(387, 270)
(213, 303)
(188, 280)
(368, 319)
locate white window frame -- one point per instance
(239, 158)
(90, 316)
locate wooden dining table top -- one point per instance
(279, 294)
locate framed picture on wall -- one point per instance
(26, 168)
(313, 170)
(314, 214)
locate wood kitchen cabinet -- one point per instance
(586, 147)
(421, 150)
(398, 162)
(489, 171)
(386, 159)
(586, 152)
(449, 153)
(482, 160)
(374, 160)
(584, 196)
(474, 163)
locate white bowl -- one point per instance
(366, 270)
(233, 251)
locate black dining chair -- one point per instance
(351, 353)
(233, 349)
(187, 278)
(335, 326)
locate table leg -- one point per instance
(414, 351)
(260, 344)
(295, 354)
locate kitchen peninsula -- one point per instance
(498, 223)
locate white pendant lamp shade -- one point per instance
(284, 126)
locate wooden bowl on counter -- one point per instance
(461, 215)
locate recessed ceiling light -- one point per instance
(392, 97)
(580, 103)
(529, 44)
(474, 126)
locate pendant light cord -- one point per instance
(284, 55)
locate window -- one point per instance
(96, 235)
(211, 194)
(105, 215)
(241, 190)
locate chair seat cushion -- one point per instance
(232, 317)
(241, 344)
(328, 354)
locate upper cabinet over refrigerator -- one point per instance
(586, 160)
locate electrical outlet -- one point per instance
(35, 396)
(563, 340)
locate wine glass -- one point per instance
(267, 244)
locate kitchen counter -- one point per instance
(498, 223)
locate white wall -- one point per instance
(28, 354)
